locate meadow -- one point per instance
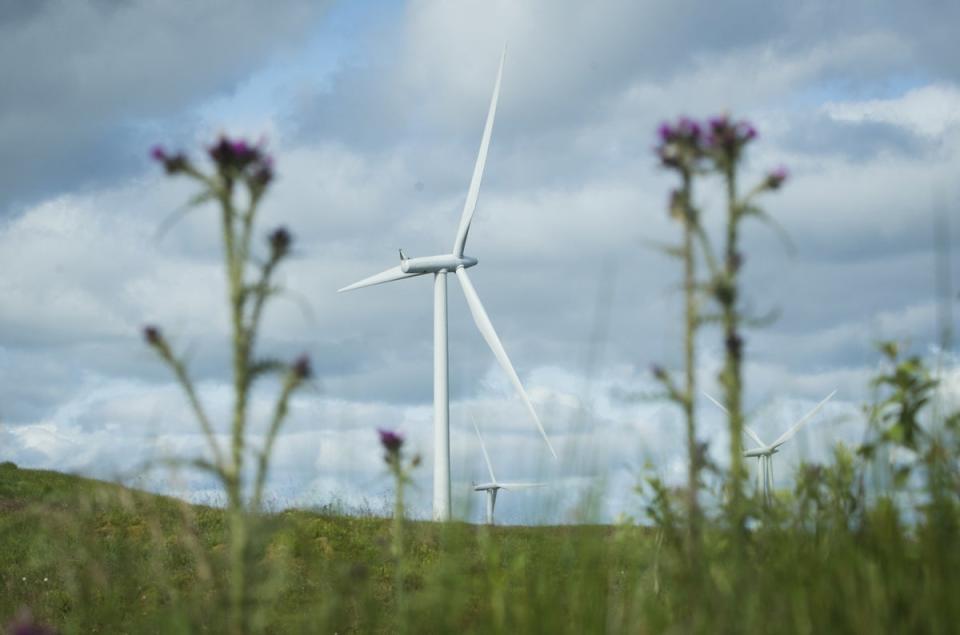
(864, 543)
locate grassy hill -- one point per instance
(87, 556)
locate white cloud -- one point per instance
(570, 195)
(929, 110)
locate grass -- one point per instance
(89, 556)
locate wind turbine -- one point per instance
(763, 452)
(439, 266)
(494, 485)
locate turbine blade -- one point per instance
(715, 402)
(490, 335)
(394, 273)
(473, 193)
(746, 428)
(786, 436)
(512, 486)
(486, 457)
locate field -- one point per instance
(88, 556)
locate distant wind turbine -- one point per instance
(494, 485)
(439, 266)
(763, 452)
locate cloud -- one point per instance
(82, 81)
(375, 152)
(928, 110)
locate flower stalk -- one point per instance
(240, 171)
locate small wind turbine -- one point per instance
(494, 485)
(764, 453)
(439, 266)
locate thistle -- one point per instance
(238, 166)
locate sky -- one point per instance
(373, 111)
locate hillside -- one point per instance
(85, 556)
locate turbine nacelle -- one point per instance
(482, 487)
(435, 264)
(761, 452)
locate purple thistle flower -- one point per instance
(680, 144)
(725, 138)
(239, 148)
(391, 440)
(666, 132)
(172, 163)
(776, 178)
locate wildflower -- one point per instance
(301, 367)
(725, 138)
(172, 163)
(391, 441)
(681, 144)
(776, 178)
(235, 155)
(280, 240)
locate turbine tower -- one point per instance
(457, 263)
(494, 486)
(764, 452)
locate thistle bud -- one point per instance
(391, 441)
(152, 335)
(776, 178)
(302, 368)
(280, 240)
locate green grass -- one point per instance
(88, 556)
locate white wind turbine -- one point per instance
(763, 452)
(494, 485)
(439, 266)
